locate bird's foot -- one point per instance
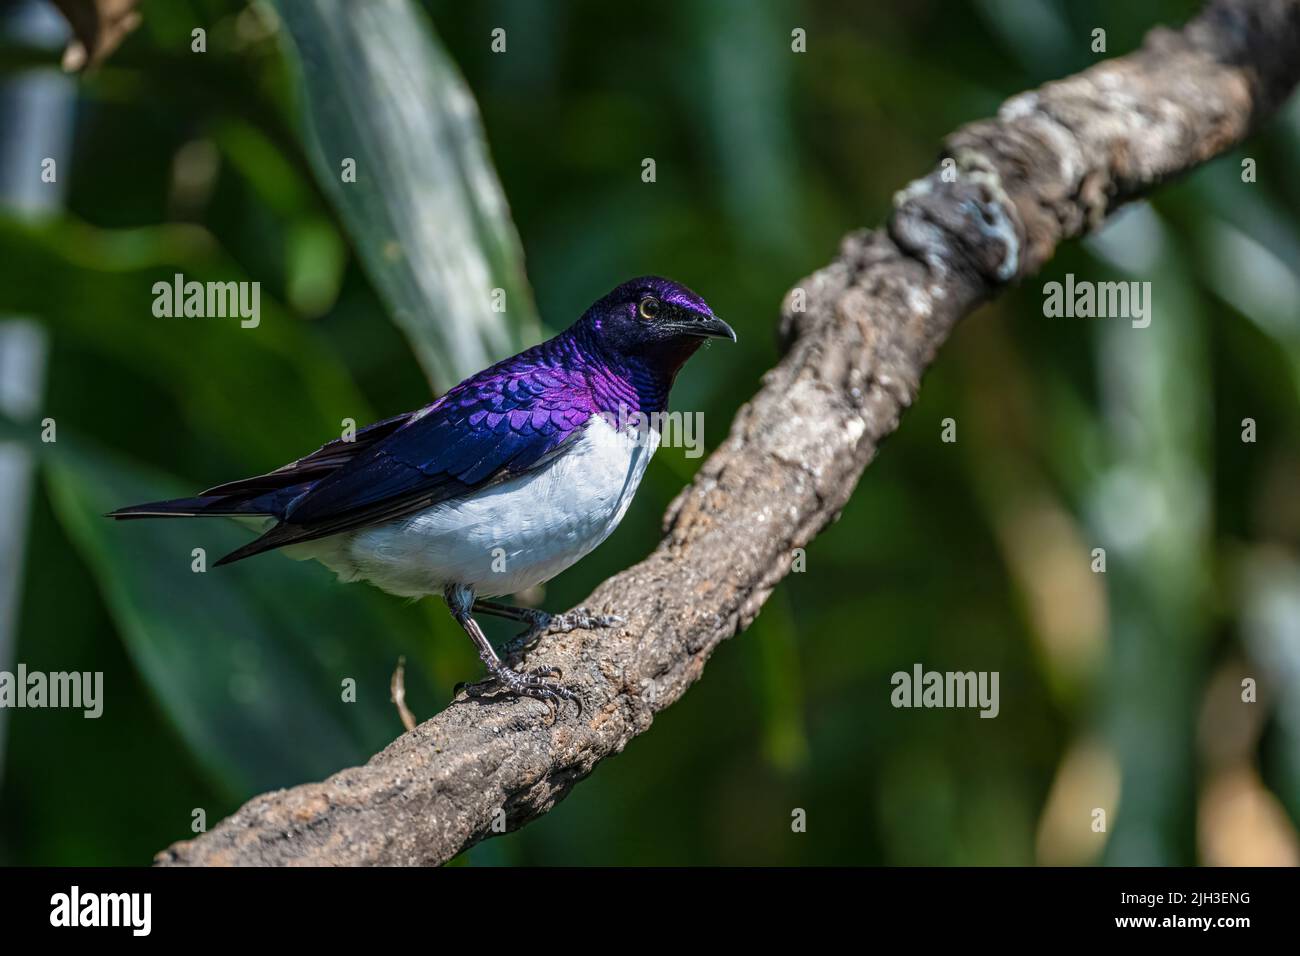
(542, 623)
(581, 617)
(531, 683)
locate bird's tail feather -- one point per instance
(268, 504)
(277, 537)
(193, 508)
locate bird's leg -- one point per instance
(539, 622)
(533, 617)
(536, 619)
(532, 683)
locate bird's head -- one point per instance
(655, 320)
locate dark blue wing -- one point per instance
(323, 461)
(499, 424)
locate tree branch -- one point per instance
(1051, 166)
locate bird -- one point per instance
(495, 487)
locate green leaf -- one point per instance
(249, 660)
(94, 287)
(426, 212)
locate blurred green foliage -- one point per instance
(1118, 691)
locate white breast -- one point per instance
(507, 538)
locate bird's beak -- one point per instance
(711, 328)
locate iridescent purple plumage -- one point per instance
(492, 431)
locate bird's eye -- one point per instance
(649, 307)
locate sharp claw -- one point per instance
(532, 684)
(581, 617)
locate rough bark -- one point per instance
(1050, 167)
